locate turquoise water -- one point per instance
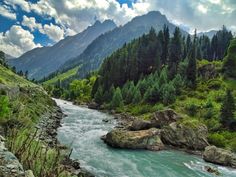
(82, 129)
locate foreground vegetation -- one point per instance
(22, 105)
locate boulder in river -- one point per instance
(212, 170)
(185, 136)
(219, 156)
(143, 139)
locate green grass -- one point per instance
(9, 78)
(62, 76)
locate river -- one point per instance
(82, 129)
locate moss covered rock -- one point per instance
(184, 135)
(143, 139)
(219, 156)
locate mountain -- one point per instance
(40, 62)
(107, 43)
(209, 34)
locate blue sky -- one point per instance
(25, 25)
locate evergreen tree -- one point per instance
(229, 63)
(227, 109)
(175, 52)
(137, 97)
(168, 93)
(117, 100)
(178, 83)
(165, 45)
(191, 72)
(98, 97)
(163, 76)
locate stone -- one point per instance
(183, 136)
(163, 118)
(219, 156)
(143, 139)
(212, 170)
(139, 124)
(29, 173)
(93, 105)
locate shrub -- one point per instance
(192, 109)
(217, 139)
(214, 84)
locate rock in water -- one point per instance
(183, 136)
(219, 156)
(143, 139)
(212, 170)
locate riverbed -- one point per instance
(82, 129)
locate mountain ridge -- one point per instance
(40, 62)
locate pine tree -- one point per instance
(191, 72)
(168, 93)
(165, 45)
(175, 52)
(137, 97)
(117, 100)
(98, 97)
(229, 66)
(227, 109)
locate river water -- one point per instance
(82, 129)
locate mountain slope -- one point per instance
(41, 62)
(107, 43)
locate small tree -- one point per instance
(227, 109)
(229, 66)
(168, 93)
(98, 97)
(137, 96)
(117, 100)
(191, 72)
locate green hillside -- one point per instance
(23, 105)
(62, 76)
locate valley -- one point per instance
(116, 93)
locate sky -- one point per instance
(27, 24)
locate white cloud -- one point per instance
(202, 8)
(6, 12)
(31, 23)
(17, 41)
(54, 32)
(24, 5)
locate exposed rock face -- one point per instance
(208, 71)
(165, 117)
(219, 156)
(143, 139)
(9, 164)
(139, 124)
(93, 105)
(182, 136)
(159, 119)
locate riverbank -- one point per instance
(82, 130)
(49, 126)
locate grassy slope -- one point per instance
(7, 77)
(62, 76)
(28, 103)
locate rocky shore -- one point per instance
(48, 125)
(165, 130)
